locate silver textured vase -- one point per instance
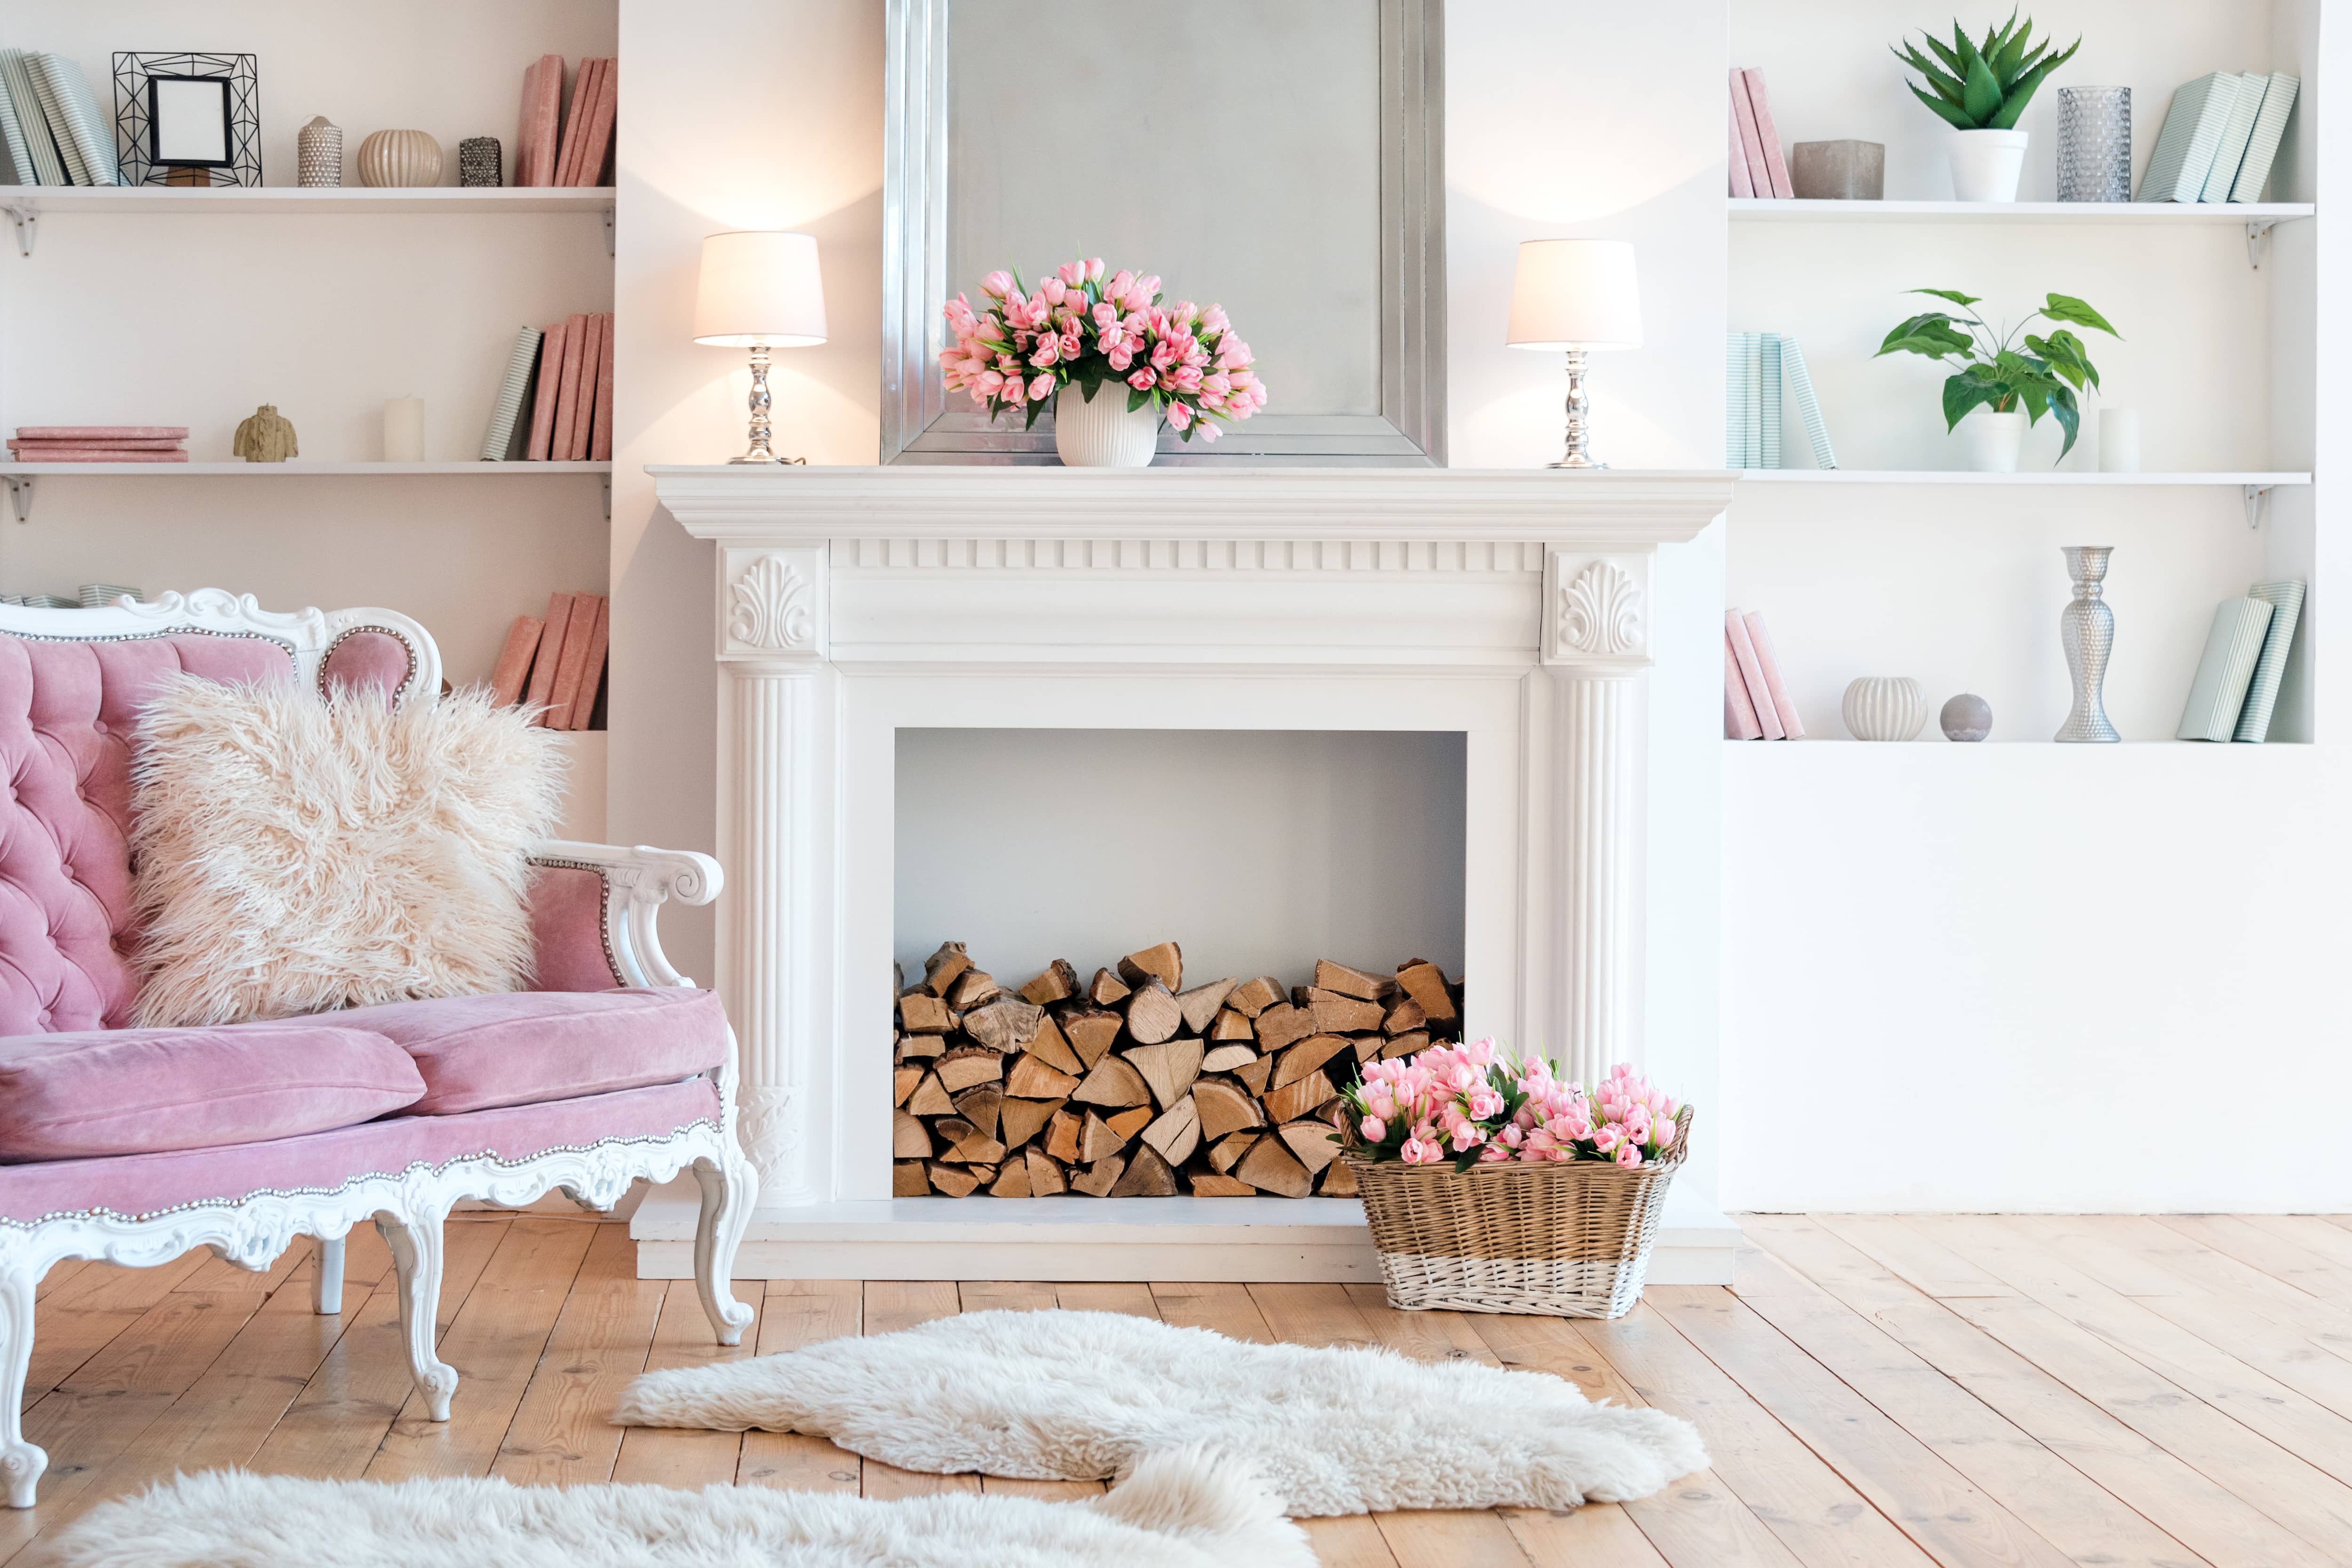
(2094, 144)
(2087, 626)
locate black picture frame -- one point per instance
(134, 112)
(155, 123)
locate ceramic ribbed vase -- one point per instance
(2087, 628)
(1884, 708)
(1100, 432)
(395, 158)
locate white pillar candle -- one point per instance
(2119, 440)
(404, 429)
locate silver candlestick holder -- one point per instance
(763, 448)
(1580, 418)
(2087, 628)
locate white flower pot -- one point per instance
(1987, 164)
(1994, 439)
(1101, 433)
(1884, 708)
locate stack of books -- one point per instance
(2237, 683)
(555, 663)
(94, 596)
(1753, 367)
(1756, 705)
(55, 133)
(564, 374)
(99, 444)
(561, 146)
(2220, 137)
(1758, 168)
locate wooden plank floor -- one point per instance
(1877, 1392)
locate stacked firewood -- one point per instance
(1131, 1085)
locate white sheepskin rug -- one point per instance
(1176, 1510)
(1079, 1395)
(294, 854)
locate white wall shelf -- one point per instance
(2044, 477)
(300, 199)
(290, 470)
(1748, 209)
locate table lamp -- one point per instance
(1578, 295)
(759, 290)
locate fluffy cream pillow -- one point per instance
(293, 855)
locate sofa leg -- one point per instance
(21, 1463)
(327, 1289)
(729, 1190)
(416, 1251)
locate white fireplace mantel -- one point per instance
(851, 602)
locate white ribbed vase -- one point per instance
(397, 158)
(1101, 433)
(1884, 708)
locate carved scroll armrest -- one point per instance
(637, 882)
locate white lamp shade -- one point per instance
(760, 287)
(1575, 294)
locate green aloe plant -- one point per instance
(2009, 370)
(1982, 87)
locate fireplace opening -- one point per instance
(1135, 962)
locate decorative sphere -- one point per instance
(1967, 717)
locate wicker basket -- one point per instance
(1564, 1241)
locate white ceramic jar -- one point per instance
(1884, 708)
(1100, 432)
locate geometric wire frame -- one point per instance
(242, 72)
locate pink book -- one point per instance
(1752, 140)
(101, 432)
(542, 410)
(551, 650)
(583, 411)
(1742, 185)
(1773, 685)
(507, 677)
(546, 116)
(1743, 648)
(1768, 139)
(567, 391)
(591, 674)
(575, 121)
(1739, 713)
(596, 128)
(577, 635)
(525, 149)
(110, 443)
(64, 454)
(600, 433)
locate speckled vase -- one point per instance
(478, 162)
(2086, 628)
(318, 154)
(399, 158)
(2094, 144)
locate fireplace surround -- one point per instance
(1510, 606)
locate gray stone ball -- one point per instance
(1967, 717)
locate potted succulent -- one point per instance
(2014, 377)
(1981, 90)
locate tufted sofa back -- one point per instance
(68, 711)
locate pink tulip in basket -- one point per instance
(1492, 1186)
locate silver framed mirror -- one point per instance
(1285, 160)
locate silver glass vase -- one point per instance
(2094, 144)
(2087, 626)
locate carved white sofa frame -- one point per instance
(408, 1206)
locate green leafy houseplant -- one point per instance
(1982, 87)
(2039, 375)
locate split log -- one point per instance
(943, 967)
(1147, 1176)
(902, 1084)
(1003, 1024)
(969, 1065)
(1045, 1178)
(1096, 1181)
(1225, 1059)
(983, 1174)
(909, 1138)
(920, 1013)
(977, 1150)
(1128, 1123)
(1270, 1167)
(930, 1097)
(1223, 1108)
(1023, 1119)
(1201, 1004)
(953, 1180)
(1033, 1080)
(1306, 1057)
(1425, 984)
(1230, 1025)
(1169, 1067)
(909, 1180)
(1058, 983)
(1407, 1044)
(1284, 1025)
(1090, 1031)
(1166, 961)
(1254, 1073)
(1346, 982)
(1115, 1083)
(1294, 1100)
(1404, 1017)
(1339, 1181)
(1251, 997)
(1050, 1046)
(1062, 1135)
(1209, 1184)
(1310, 1142)
(1105, 989)
(952, 1130)
(1152, 1015)
(979, 1105)
(915, 1047)
(1368, 1047)
(973, 988)
(1176, 1133)
(1013, 1181)
(1338, 1015)
(1230, 1150)
(1097, 1143)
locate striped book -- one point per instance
(1734, 382)
(2270, 127)
(54, 113)
(1767, 401)
(1809, 408)
(2286, 600)
(498, 444)
(1751, 399)
(2235, 133)
(2191, 135)
(12, 131)
(91, 132)
(45, 166)
(2231, 651)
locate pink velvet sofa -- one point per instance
(135, 1145)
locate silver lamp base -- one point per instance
(1580, 418)
(763, 405)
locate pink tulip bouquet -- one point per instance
(1081, 329)
(1478, 1104)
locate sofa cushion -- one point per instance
(139, 1091)
(518, 1048)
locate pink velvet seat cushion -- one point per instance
(138, 1092)
(140, 1185)
(516, 1047)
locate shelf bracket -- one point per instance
(613, 244)
(20, 496)
(2258, 240)
(608, 497)
(27, 216)
(2258, 501)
